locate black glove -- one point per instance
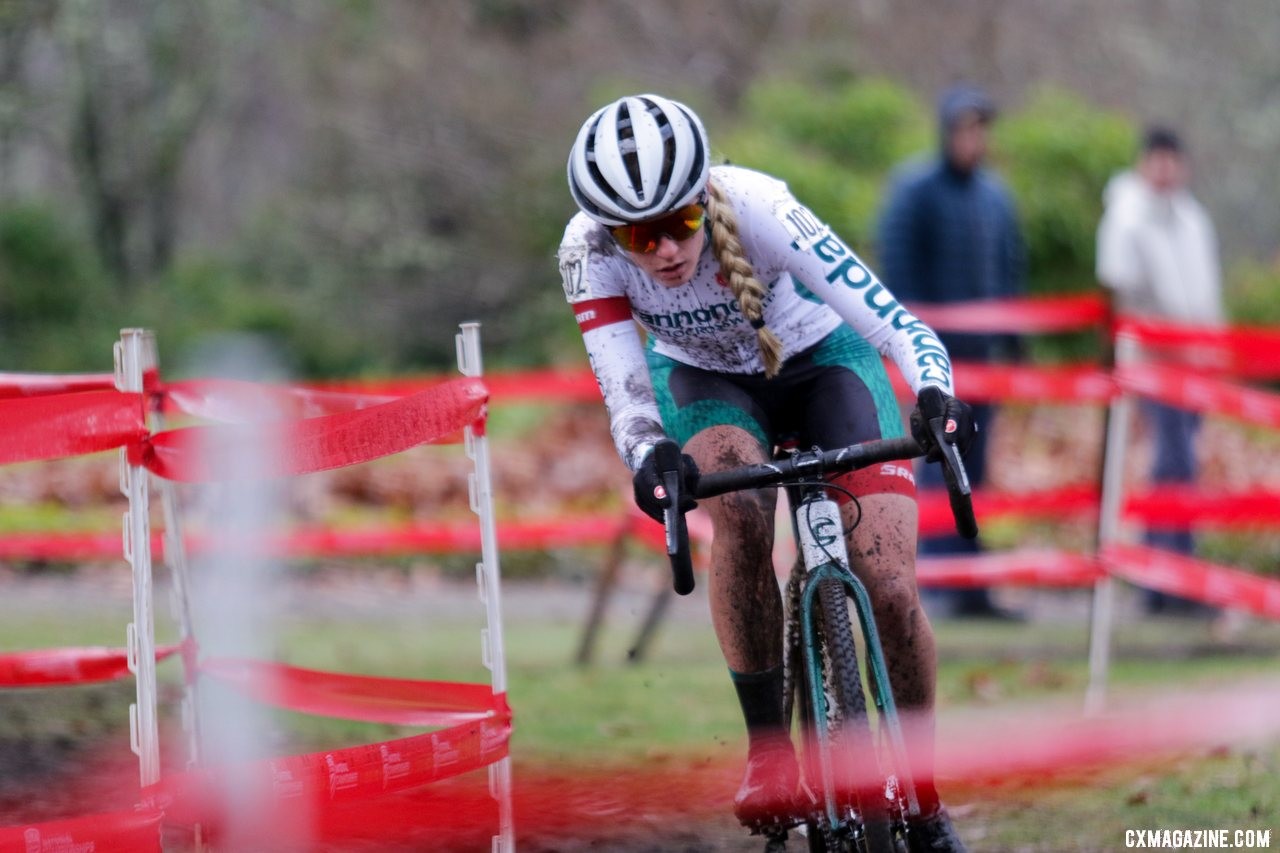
(651, 494)
(957, 419)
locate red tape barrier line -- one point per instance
(1207, 582)
(576, 384)
(395, 701)
(207, 454)
(114, 832)
(438, 538)
(998, 383)
(47, 667)
(60, 425)
(1180, 508)
(1190, 390)
(236, 401)
(444, 538)
(1248, 352)
(1059, 504)
(38, 384)
(1015, 744)
(304, 784)
(1026, 315)
(1031, 567)
(981, 383)
(1166, 508)
(70, 547)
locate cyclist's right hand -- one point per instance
(956, 417)
(651, 494)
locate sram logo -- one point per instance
(891, 470)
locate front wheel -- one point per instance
(857, 777)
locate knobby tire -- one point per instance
(851, 728)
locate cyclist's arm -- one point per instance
(808, 249)
(613, 345)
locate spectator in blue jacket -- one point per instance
(949, 233)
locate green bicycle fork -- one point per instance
(881, 694)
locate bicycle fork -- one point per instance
(819, 529)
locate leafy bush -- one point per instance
(1253, 293)
(204, 298)
(57, 311)
(836, 142)
(833, 145)
(1057, 154)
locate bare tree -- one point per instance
(145, 73)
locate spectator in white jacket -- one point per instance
(1158, 253)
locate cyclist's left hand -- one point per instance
(958, 426)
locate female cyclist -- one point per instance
(760, 322)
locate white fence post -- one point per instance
(175, 559)
(134, 358)
(1112, 502)
(488, 576)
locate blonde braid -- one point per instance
(737, 271)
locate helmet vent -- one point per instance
(627, 148)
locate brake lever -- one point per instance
(957, 479)
(667, 457)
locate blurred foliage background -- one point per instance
(354, 178)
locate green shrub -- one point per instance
(57, 310)
(1253, 293)
(835, 143)
(832, 144)
(1057, 154)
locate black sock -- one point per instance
(760, 695)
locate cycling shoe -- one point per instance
(934, 834)
(768, 790)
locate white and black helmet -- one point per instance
(638, 158)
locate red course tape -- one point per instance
(38, 384)
(1027, 315)
(1183, 507)
(45, 667)
(209, 454)
(1202, 581)
(996, 383)
(235, 401)
(437, 538)
(1013, 568)
(60, 425)
(1060, 504)
(1247, 352)
(308, 783)
(115, 832)
(395, 701)
(1190, 390)
(538, 386)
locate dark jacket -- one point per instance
(951, 236)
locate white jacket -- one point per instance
(1159, 253)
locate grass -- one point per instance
(679, 702)
(1092, 812)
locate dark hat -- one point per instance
(961, 99)
(1160, 138)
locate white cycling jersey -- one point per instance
(814, 280)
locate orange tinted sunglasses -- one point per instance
(643, 237)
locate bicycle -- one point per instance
(851, 807)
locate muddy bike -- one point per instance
(857, 793)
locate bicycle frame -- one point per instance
(819, 531)
(825, 558)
